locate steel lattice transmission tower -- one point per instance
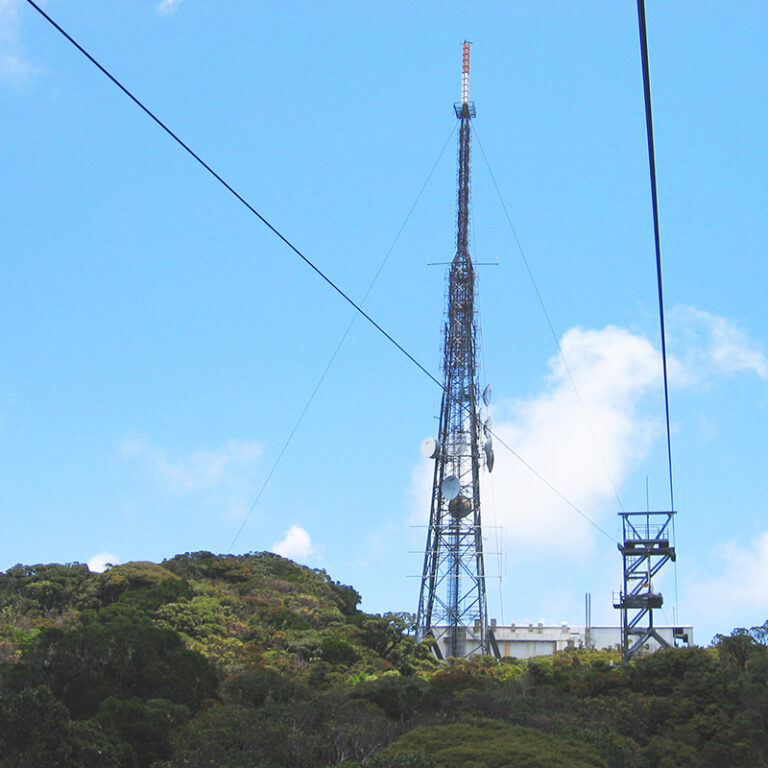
(452, 601)
(646, 549)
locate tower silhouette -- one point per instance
(452, 600)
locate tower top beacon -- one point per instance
(465, 108)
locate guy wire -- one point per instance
(290, 245)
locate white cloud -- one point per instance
(168, 6)
(223, 479)
(740, 587)
(201, 469)
(612, 369)
(619, 380)
(99, 563)
(712, 344)
(13, 68)
(9, 19)
(296, 544)
(420, 492)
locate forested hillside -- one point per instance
(257, 662)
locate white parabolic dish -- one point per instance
(430, 448)
(450, 487)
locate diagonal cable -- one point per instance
(236, 194)
(339, 346)
(549, 323)
(657, 243)
(656, 234)
(551, 487)
(284, 239)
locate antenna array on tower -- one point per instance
(452, 601)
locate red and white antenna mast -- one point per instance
(465, 74)
(452, 602)
(465, 108)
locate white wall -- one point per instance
(527, 641)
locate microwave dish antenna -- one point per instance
(430, 448)
(450, 487)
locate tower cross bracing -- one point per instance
(452, 600)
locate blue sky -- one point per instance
(159, 344)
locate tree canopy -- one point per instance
(254, 660)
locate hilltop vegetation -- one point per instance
(257, 662)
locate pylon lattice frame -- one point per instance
(645, 550)
(452, 600)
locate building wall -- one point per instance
(527, 641)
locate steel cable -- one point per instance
(290, 245)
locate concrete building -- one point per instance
(525, 641)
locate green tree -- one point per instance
(34, 727)
(739, 648)
(123, 656)
(36, 732)
(232, 736)
(353, 729)
(336, 650)
(400, 698)
(145, 726)
(481, 743)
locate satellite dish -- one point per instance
(450, 487)
(460, 507)
(430, 448)
(490, 460)
(487, 394)
(488, 447)
(488, 426)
